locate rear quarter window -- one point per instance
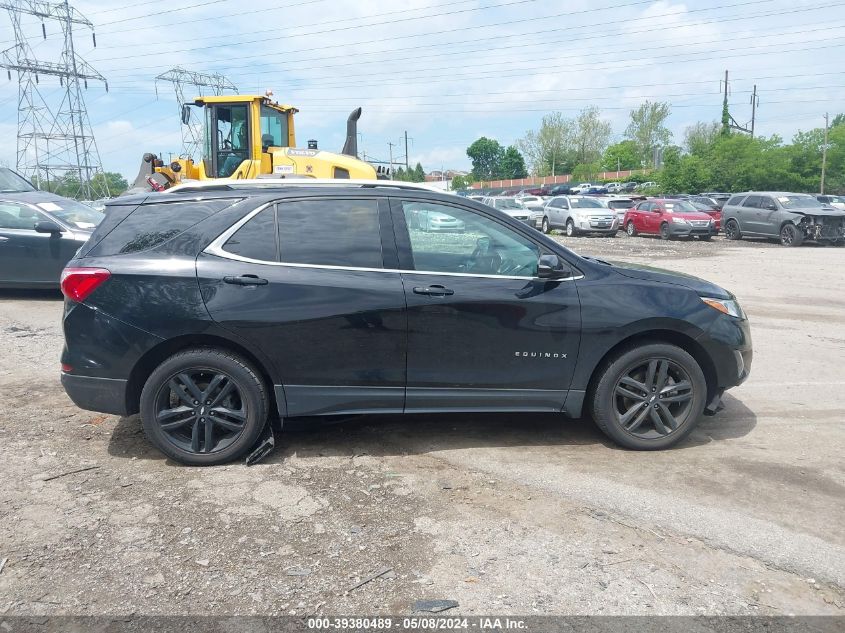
(126, 230)
(735, 201)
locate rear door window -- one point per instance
(257, 239)
(332, 232)
(735, 201)
(149, 225)
(752, 202)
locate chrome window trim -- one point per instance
(216, 249)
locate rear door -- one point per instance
(313, 283)
(483, 332)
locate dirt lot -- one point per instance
(504, 514)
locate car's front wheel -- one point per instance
(630, 229)
(545, 225)
(649, 397)
(665, 234)
(204, 406)
(791, 235)
(570, 228)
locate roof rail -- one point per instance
(276, 183)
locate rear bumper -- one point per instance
(105, 395)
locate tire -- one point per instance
(239, 415)
(570, 228)
(630, 229)
(664, 232)
(705, 238)
(839, 243)
(544, 227)
(732, 231)
(609, 407)
(790, 235)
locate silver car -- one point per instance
(576, 215)
(431, 220)
(509, 206)
(790, 217)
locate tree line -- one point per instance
(711, 156)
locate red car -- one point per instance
(709, 209)
(668, 219)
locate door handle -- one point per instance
(246, 280)
(434, 291)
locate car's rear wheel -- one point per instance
(790, 235)
(664, 231)
(649, 397)
(545, 225)
(630, 229)
(570, 228)
(705, 238)
(204, 406)
(732, 231)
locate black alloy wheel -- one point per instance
(201, 410)
(790, 235)
(653, 398)
(649, 397)
(204, 406)
(732, 230)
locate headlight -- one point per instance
(679, 221)
(726, 306)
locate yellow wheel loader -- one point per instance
(250, 136)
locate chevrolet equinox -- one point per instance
(211, 310)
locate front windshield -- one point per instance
(679, 206)
(799, 202)
(10, 182)
(585, 203)
(507, 204)
(73, 213)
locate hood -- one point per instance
(703, 287)
(828, 212)
(691, 215)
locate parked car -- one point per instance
(837, 202)
(645, 185)
(720, 198)
(668, 219)
(618, 204)
(211, 310)
(790, 217)
(576, 215)
(563, 189)
(530, 202)
(628, 187)
(595, 190)
(581, 187)
(39, 233)
(614, 187)
(714, 212)
(716, 201)
(509, 206)
(430, 219)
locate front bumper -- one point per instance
(105, 395)
(688, 230)
(598, 226)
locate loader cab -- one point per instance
(242, 128)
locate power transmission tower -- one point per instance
(755, 101)
(181, 78)
(54, 143)
(728, 121)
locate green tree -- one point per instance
(486, 156)
(621, 156)
(648, 129)
(591, 137)
(699, 137)
(512, 164)
(462, 182)
(418, 174)
(549, 149)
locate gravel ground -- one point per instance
(528, 514)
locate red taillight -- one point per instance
(78, 283)
(67, 368)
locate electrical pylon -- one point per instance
(192, 135)
(54, 142)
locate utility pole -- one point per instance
(407, 165)
(728, 121)
(192, 135)
(53, 141)
(391, 156)
(754, 102)
(824, 152)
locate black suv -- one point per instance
(211, 311)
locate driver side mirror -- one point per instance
(46, 226)
(551, 267)
(186, 114)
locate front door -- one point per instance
(26, 256)
(484, 333)
(748, 215)
(311, 290)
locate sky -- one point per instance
(446, 71)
